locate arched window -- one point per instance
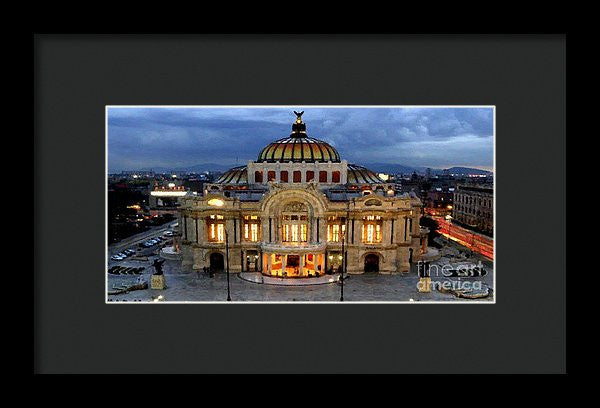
(258, 176)
(336, 226)
(372, 229)
(294, 223)
(271, 175)
(216, 228)
(251, 228)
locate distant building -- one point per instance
(439, 201)
(195, 184)
(474, 206)
(164, 198)
(134, 174)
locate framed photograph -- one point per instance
(344, 204)
(300, 204)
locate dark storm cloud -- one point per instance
(181, 137)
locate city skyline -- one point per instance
(179, 137)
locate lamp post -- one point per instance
(343, 257)
(343, 264)
(227, 268)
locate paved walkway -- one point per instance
(193, 286)
(257, 277)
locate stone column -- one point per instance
(201, 229)
(323, 262)
(243, 256)
(323, 229)
(228, 230)
(387, 231)
(302, 264)
(192, 234)
(270, 263)
(358, 231)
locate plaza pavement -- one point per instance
(187, 285)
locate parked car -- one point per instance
(116, 257)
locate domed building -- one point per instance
(286, 214)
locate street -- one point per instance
(138, 238)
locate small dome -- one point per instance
(298, 147)
(236, 175)
(362, 175)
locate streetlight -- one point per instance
(343, 264)
(343, 255)
(227, 268)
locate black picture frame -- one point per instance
(76, 76)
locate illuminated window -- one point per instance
(303, 232)
(258, 176)
(322, 177)
(372, 229)
(251, 227)
(216, 228)
(335, 177)
(336, 227)
(294, 227)
(297, 176)
(284, 176)
(271, 175)
(310, 175)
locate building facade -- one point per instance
(296, 210)
(474, 206)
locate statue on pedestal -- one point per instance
(157, 264)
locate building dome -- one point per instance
(236, 175)
(362, 175)
(298, 147)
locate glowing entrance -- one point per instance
(294, 265)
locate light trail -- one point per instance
(476, 242)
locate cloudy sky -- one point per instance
(181, 137)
